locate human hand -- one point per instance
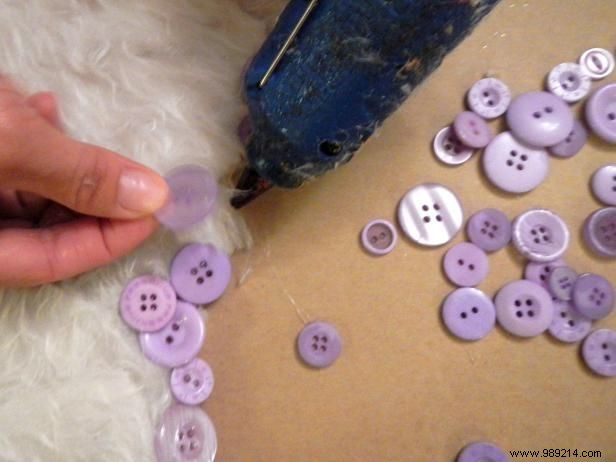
(40, 164)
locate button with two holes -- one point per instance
(569, 82)
(604, 184)
(489, 98)
(449, 149)
(468, 313)
(379, 237)
(540, 272)
(465, 264)
(472, 130)
(599, 352)
(568, 325)
(192, 383)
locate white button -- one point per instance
(448, 149)
(569, 82)
(597, 63)
(430, 214)
(489, 98)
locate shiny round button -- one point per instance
(540, 272)
(593, 296)
(604, 184)
(472, 130)
(597, 63)
(468, 313)
(465, 264)
(448, 148)
(569, 82)
(489, 229)
(179, 341)
(540, 235)
(430, 214)
(601, 113)
(193, 383)
(319, 344)
(147, 303)
(600, 232)
(568, 325)
(482, 452)
(539, 118)
(599, 352)
(560, 282)
(489, 98)
(571, 145)
(200, 273)
(185, 434)
(379, 237)
(524, 308)
(513, 166)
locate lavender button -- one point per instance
(379, 237)
(489, 98)
(569, 82)
(524, 308)
(573, 144)
(472, 130)
(599, 352)
(468, 313)
(540, 272)
(319, 344)
(193, 383)
(600, 232)
(482, 452)
(560, 282)
(147, 303)
(540, 235)
(489, 229)
(604, 184)
(465, 264)
(601, 113)
(593, 296)
(568, 325)
(448, 148)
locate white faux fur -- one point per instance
(157, 80)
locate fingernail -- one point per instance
(141, 192)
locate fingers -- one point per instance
(31, 257)
(46, 104)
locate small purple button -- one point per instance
(179, 341)
(147, 303)
(200, 273)
(482, 452)
(379, 237)
(601, 113)
(604, 184)
(569, 82)
(465, 264)
(524, 308)
(449, 150)
(540, 235)
(599, 352)
(193, 383)
(568, 325)
(593, 296)
(468, 313)
(319, 344)
(600, 232)
(573, 144)
(489, 98)
(472, 130)
(540, 272)
(560, 282)
(489, 229)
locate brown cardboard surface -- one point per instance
(403, 389)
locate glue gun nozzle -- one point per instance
(249, 187)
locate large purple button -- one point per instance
(560, 282)
(379, 237)
(573, 144)
(540, 235)
(147, 303)
(593, 296)
(200, 273)
(513, 166)
(193, 383)
(489, 229)
(319, 344)
(179, 341)
(539, 118)
(599, 352)
(568, 325)
(465, 264)
(193, 193)
(569, 82)
(540, 272)
(601, 113)
(448, 148)
(489, 98)
(600, 232)
(482, 452)
(604, 184)
(468, 313)
(524, 308)
(185, 434)
(472, 130)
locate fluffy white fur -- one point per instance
(157, 80)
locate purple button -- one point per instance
(600, 232)
(465, 264)
(560, 282)
(489, 229)
(379, 237)
(539, 118)
(573, 144)
(193, 193)
(599, 352)
(489, 98)
(193, 383)
(601, 113)
(179, 341)
(147, 303)
(472, 130)
(513, 166)
(593, 296)
(569, 82)
(482, 452)
(319, 344)
(604, 184)
(468, 313)
(200, 273)
(540, 235)
(185, 433)
(448, 149)
(540, 272)
(568, 325)
(524, 308)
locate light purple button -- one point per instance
(472, 130)
(600, 232)
(604, 184)
(179, 341)
(599, 352)
(147, 303)
(448, 149)
(573, 144)
(482, 452)
(597, 63)
(200, 273)
(540, 272)
(540, 235)
(513, 166)
(601, 113)
(468, 313)
(569, 82)
(524, 308)
(568, 325)
(193, 193)
(465, 264)
(379, 237)
(539, 118)
(593, 296)
(193, 383)
(319, 344)
(489, 229)
(185, 434)
(560, 282)
(489, 98)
